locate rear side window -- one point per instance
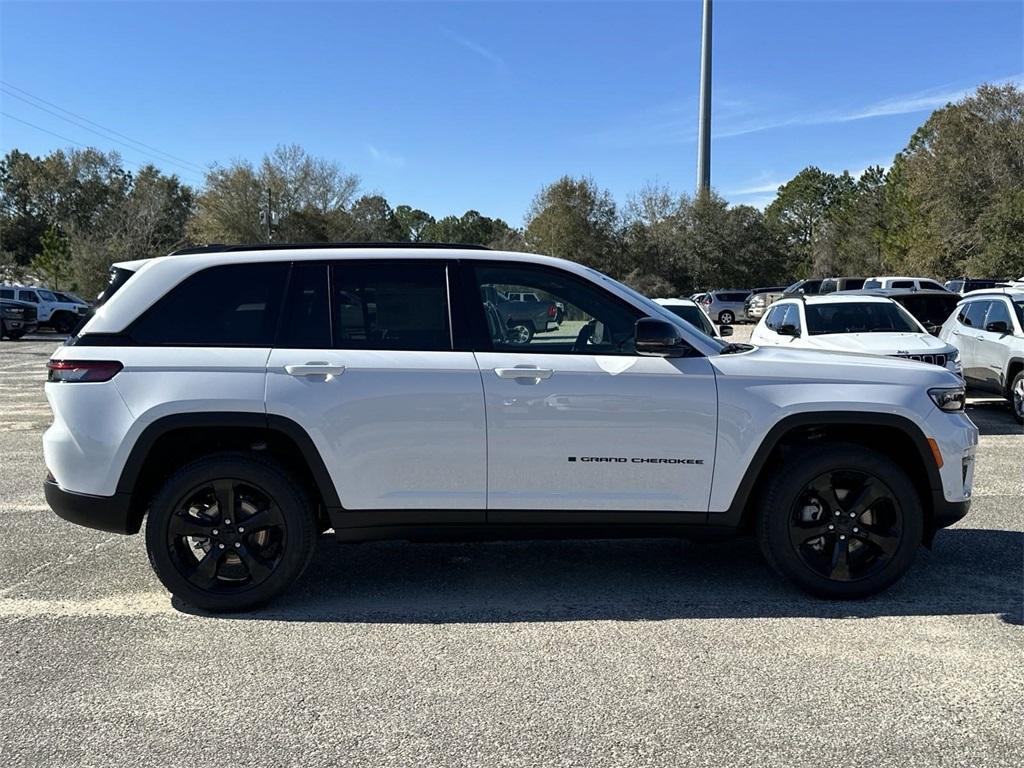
(6, 293)
(390, 305)
(931, 285)
(234, 305)
(829, 286)
(902, 284)
(853, 283)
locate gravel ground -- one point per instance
(518, 654)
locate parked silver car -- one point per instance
(725, 307)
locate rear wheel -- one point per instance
(1017, 396)
(840, 521)
(520, 332)
(726, 317)
(230, 532)
(63, 322)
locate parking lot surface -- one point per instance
(603, 653)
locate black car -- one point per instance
(17, 318)
(930, 308)
(805, 287)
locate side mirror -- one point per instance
(659, 338)
(998, 326)
(788, 330)
(725, 330)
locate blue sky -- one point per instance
(449, 106)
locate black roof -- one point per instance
(888, 293)
(222, 248)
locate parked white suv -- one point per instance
(988, 329)
(51, 310)
(245, 399)
(870, 325)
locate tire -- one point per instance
(869, 546)
(62, 322)
(209, 560)
(520, 331)
(3, 329)
(15, 335)
(726, 317)
(1016, 397)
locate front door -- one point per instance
(367, 367)
(576, 420)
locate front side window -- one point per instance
(792, 318)
(568, 316)
(998, 312)
(859, 317)
(390, 305)
(972, 314)
(234, 305)
(872, 283)
(771, 320)
(931, 285)
(902, 284)
(1019, 306)
(829, 286)
(47, 296)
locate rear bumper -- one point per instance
(104, 513)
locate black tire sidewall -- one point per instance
(291, 498)
(788, 481)
(1013, 385)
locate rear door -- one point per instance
(993, 346)
(576, 420)
(365, 363)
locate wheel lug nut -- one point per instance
(836, 513)
(853, 514)
(241, 529)
(831, 527)
(237, 544)
(842, 537)
(216, 532)
(221, 546)
(227, 522)
(856, 530)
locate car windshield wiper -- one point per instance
(732, 348)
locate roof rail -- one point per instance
(221, 248)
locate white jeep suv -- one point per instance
(855, 322)
(244, 399)
(988, 329)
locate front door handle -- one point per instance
(524, 372)
(314, 368)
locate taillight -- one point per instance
(82, 370)
(552, 311)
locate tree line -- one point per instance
(950, 204)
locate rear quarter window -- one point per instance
(235, 305)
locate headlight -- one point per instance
(949, 400)
(953, 355)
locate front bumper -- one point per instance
(104, 513)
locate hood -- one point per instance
(878, 343)
(812, 365)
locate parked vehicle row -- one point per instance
(375, 391)
(59, 311)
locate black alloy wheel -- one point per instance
(840, 520)
(846, 525)
(230, 531)
(227, 535)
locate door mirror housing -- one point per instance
(998, 326)
(660, 338)
(725, 330)
(788, 330)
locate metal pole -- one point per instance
(704, 125)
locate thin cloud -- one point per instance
(758, 189)
(385, 158)
(480, 50)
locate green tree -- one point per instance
(53, 262)
(574, 219)
(800, 214)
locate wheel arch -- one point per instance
(1013, 367)
(171, 441)
(895, 436)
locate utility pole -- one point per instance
(704, 124)
(267, 216)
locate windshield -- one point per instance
(866, 317)
(692, 315)
(655, 309)
(794, 287)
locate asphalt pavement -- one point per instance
(606, 653)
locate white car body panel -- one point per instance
(543, 432)
(396, 430)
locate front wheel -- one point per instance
(230, 532)
(726, 318)
(1017, 397)
(840, 521)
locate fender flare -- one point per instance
(206, 420)
(734, 515)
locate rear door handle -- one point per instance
(524, 373)
(314, 369)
